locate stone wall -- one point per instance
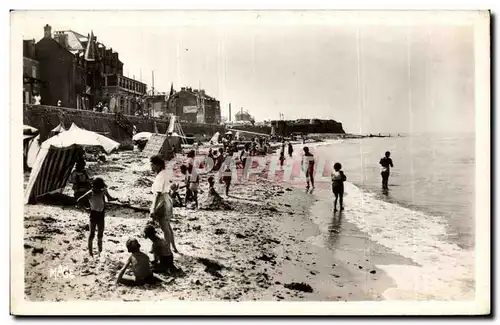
(45, 118)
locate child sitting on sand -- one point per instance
(97, 204)
(214, 200)
(163, 258)
(81, 181)
(338, 179)
(174, 194)
(139, 263)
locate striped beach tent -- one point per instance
(57, 157)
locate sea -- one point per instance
(426, 216)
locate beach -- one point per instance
(262, 249)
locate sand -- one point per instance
(259, 250)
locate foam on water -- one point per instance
(445, 271)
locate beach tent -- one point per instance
(29, 134)
(29, 130)
(159, 144)
(56, 159)
(55, 131)
(33, 149)
(142, 136)
(215, 138)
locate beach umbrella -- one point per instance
(82, 137)
(142, 136)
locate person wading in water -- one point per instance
(386, 163)
(308, 165)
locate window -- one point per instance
(33, 71)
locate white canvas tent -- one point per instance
(215, 139)
(33, 149)
(55, 131)
(142, 136)
(29, 135)
(57, 157)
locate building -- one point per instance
(242, 116)
(105, 80)
(156, 105)
(195, 106)
(63, 74)
(123, 94)
(81, 72)
(31, 82)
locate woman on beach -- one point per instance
(308, 165)
(338, 179)
(97, 204)
(162, 206)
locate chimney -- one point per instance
(229, 112)
(183, 88)
(47, 31)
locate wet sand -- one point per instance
(260, 250)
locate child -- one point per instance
(174, 194)
(226, 179)
(386, 163)
(192, 183)
(163, 258)
(308, 165)
(139, 263)
(81, 181)
(338, 179)
(97, 204)
(282, 155)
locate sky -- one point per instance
(392, 74)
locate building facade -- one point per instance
(63, 75)
(195, 106)
(156, 105)
(103, 62)
(79, 72)
(123, 94)
(31, 74)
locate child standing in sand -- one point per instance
(192, 182)
(97, 204)
(139, 263)
(163, 258)
(338, 179)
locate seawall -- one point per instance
(45, 118)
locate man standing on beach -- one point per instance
(386, 163)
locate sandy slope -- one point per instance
(242, 254)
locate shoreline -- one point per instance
(256, 245)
